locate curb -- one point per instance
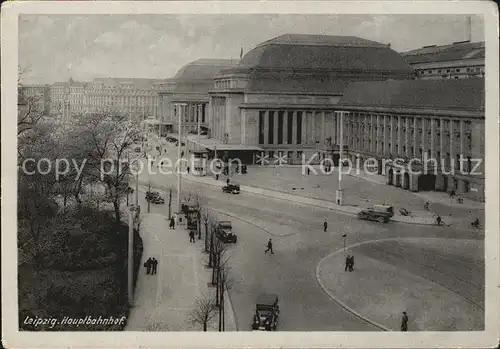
(334, 298)
(301, 200)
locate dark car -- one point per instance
(225, 232)
(231, 189)
(267, 313)
(154, 197)
(379, 213)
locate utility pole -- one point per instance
(149, 200)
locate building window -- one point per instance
(447, 70)
(439, 70)
(439, 156)
(429, 71)
(270, 154)
(290, 154)
(290, 127)
(262, 115)
(280, 127)
(299, 154)
(299, 127)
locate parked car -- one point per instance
(231, 189)
(225, 232)
(267, 313)
(154, 197)
(379, 213)
(137, 149)
(177, 144)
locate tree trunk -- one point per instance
(206, 237)
(78, 189)
(210, 255)
(116, 206)
(204, 327)
(222, 305)
(217, 293)
(221, 311)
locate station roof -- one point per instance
(303, 51)
(447, 94)
(204, 69)
(457, 51)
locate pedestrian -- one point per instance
(182, 154)
(438, 220)
(351, 263)
(165, 150)
(227, 181)
(308, 171)
(172, 223)
(187, 169)
(325, 225)
(154, 263)
(404, 322)
(217, 177)
(269, 247)
(147, 265)
(191, 236)
(347, 262)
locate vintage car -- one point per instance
(379, 213)
(267, 313)
(231, 188)
(154, 197)
(225, 232)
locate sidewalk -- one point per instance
(164, 301)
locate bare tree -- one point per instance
(109, 139)
(203, 312)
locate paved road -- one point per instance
(299, 244)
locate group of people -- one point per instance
(349, 263)
(151, 266)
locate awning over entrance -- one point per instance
(214, 144)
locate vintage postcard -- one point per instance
(250, 174)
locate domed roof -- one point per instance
(204, 69)
(303, 51)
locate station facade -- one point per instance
(436, 123)
(280, 100)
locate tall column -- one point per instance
(441, 134)
(366, 134)
(266, 127)
(452, 145)
(378, 132)
(407, 136)
(433, 137)
(384, 136)
(313, 127)
(323, 127)
(423, 137)
(399, 138)
(333, 117)
(294, 127)
(415, 138)
(462, 138)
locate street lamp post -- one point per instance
(179, 143)
(339, 192)
(130, 255)
(344, 236)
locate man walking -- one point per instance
(347, 262)
(191, 236)
(404, 322)
(227, 181)
(148, 265)
(269, 247)
(351, 263)
(172, 223)
(325, 225)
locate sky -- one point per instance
(55, 47)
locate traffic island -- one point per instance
(437, 282)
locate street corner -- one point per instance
(378, 288)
